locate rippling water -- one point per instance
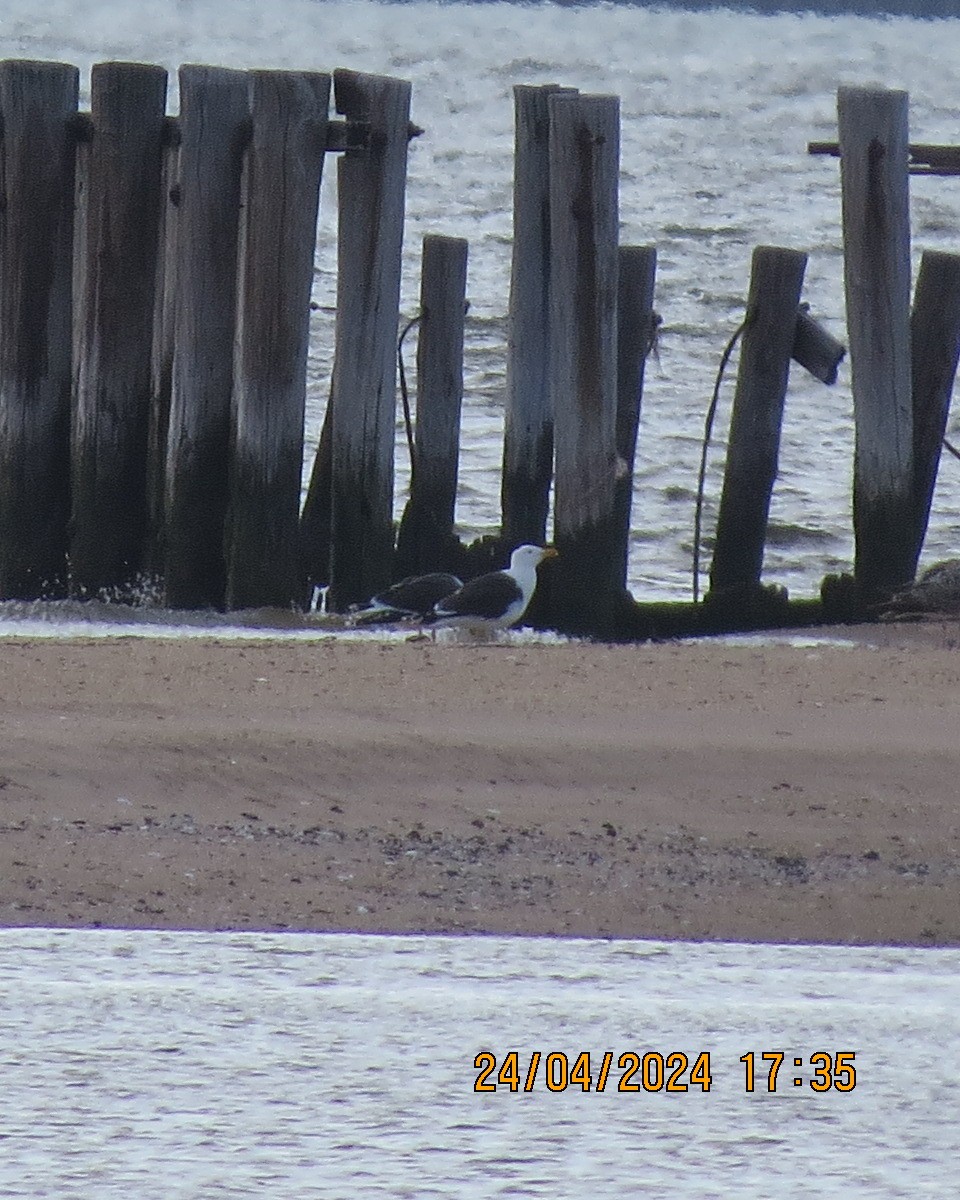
(297, 1065)
(717, 107)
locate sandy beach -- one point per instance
(713, 790)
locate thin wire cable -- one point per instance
(707, 430)
(405, 395)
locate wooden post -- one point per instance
(427, 525)
(115, 328)
(935, 350)
(214, 127)
(161, 367)
(315, 519)
(636, 333)
(370, 193)
(876, 236)
(528, 421)
(584, 175)
(815, 349)
(753, 447)
(284, 165)
(37, 103)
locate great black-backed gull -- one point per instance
(414, 596)
(497, 599)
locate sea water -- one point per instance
(717, 111)
(168, 1065)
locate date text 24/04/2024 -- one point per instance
(651, 1071)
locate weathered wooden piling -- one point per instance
(426, 530)
(38, 106)
(636, 335)
(753, 447)
(161, 362)
(214, 127)
(815, 349)
(115, 323)
(282, 190)
(876, 234)
(528, 420)
(584, 151)
(370, 194)
(934, 353)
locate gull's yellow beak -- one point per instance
(549, 552)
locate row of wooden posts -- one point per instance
(155, 278)
(581, 322)
(155, 281)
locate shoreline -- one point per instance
(480, 936)
(708, 791)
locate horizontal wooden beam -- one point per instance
(925, 158)
(341, 135)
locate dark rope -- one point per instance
(953, 450)
(708, 429)
(405, 395)
(652, 348)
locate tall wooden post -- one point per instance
(934, 352)
(876, 236)
(371, 185)
(636, 332)
(776, 279)
(115, 327)
(427, 525)
(528, 421)
(284, 165)
(161, 366)
(214, 128)
(584, 176)
(37, 102)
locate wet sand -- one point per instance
(711, 790)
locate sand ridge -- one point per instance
(700, 790)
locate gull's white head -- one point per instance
(527, 558)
